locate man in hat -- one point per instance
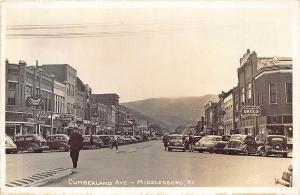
(76, 143)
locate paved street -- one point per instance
(147, 164)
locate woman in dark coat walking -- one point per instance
(76, 143)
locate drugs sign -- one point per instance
(34, 101)
(251, 111)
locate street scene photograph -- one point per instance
(148, 97)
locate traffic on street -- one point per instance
(148, 164)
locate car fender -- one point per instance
(34, 145)
(260, 148)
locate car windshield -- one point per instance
(39, 138)
(237, 137)
(8, 139)
(176, 137)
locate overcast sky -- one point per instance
(145, 53)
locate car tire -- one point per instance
(285, 155)
(30, 149)
(210, 150)
(62, 148)
(247, 152)
(200, 151)
(262, 153)
(169, 150)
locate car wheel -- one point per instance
(247, 152)
(30, 149)
(62, 148)
(93, 147)
(201, 151)
(210, 150)
(285, 155)
(262, 153)
(169, 149)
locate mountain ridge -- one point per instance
(172, 111)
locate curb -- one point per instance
(41, 178)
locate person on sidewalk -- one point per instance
(191, 142)
(76, 143)
(114, 143)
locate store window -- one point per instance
(272, 93)
(11, 93)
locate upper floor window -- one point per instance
(243, 95)
(249, 91)
(289, 92)
(272, 93)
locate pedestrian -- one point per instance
(76, 143)
(165, 141)
(114, 143)
(191, 142)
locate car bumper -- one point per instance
(277, 152)
(11, 150)
(236, 150)
(43, 148)
(200, 148)
(176, 147)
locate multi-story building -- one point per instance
(269, 80)
(67, 75)
(236, 112)
(210, 118)
(111, 100)
(227, 119)
(273, 94)
(24, 82)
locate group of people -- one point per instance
(187, 140)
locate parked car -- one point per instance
(240, 143)
(207, 143)
(175, 142)
(87, 143)
(139, 138)
(197, 138)
(274, 144)
(134, 140)
(31, 143)
(10, 146)
(98, 141)
(58, 142)
(220, 146)
(105, 139)
(127, 139)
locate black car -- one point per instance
(31, 143)
(220, 146)
(58, 142)
(105, 139)
(176, 142)
(240, 143)
(274, 144)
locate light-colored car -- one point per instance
(207, 143)
(10, 146)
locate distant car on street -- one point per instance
(240, 143)
(220, 146)
(176, 142)
(274, 144)
(105, 139)
(207, 143)
(10, 146)
(31, 143)
(58, 142)
(87, 143)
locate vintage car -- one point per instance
(91, 142)
(240, 143)
(58, 142)
(10, 146)
(105, 139)
(31, 143)
(220, 146)
(175, 142)
(274, 144)
(207, 143)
